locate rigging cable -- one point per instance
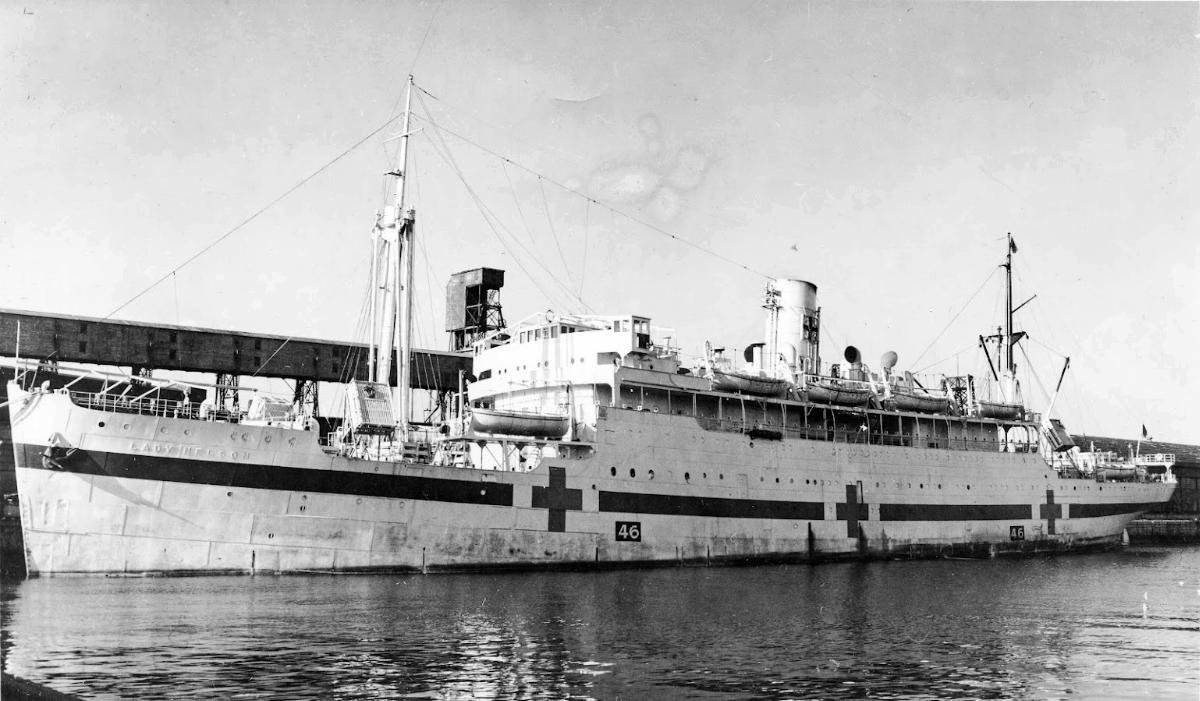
(349, 366)
(413, 66)
(587, 214)
(517, 201)
(955, 318)
(955, 354)
(494, 224)
(303, 181)
(1034, 375)
(263, 364)
(577, 193)
(175, 284)
(553, 233)
(491, 219)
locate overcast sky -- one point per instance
(881, 151)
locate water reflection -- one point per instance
(1045, 628)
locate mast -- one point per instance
(372, 359)
(1008, 306)
(394, 233)
(404, 275)
(1008, 378)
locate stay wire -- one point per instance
(420, 47)
(553, 233)
(493, 223)
(587, 215)
(304, 181)
(443, 151)
(955, 317)
(577, 193)
(939, 361)
(517, 201)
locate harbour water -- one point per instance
(1116, 625)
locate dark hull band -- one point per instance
(248, 476)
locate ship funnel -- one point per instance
(793, 326)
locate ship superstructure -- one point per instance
(581, 441)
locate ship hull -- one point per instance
(153, 494)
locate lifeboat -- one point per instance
(1116, 473)
(518, 423)
(919, 401)
(998, 410)
(731, 381)
(833, 392)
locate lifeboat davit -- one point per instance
(518, 423)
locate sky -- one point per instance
(664, 159)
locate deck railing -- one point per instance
(867, 437)
(146, 406)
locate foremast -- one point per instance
(392, 275)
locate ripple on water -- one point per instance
(1044, 628)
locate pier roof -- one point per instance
(79, 339)
(1186, 455)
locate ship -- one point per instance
(578, 441)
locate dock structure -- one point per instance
(225, 354)
(1177, 521)
(78, 339)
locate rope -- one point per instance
(304, 181)
(587, 214)
(648, 225)
(517, 201)
(264, 363)
(553, 232)
(955, 318)
(493, 222)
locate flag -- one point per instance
(1145, 433)
(1012, 244)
